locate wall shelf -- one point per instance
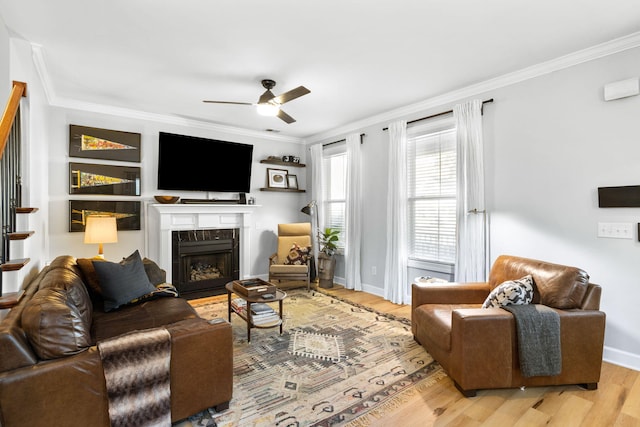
(281, 163)
(286, 190)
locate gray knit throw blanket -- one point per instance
(137, 373)
(538, 332)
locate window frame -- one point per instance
(415, 261)
(338, 149)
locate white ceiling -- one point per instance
(359, 58)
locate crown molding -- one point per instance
(620, 44)
(73, 104)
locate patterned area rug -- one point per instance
(336, 364)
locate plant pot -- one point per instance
(326, 268)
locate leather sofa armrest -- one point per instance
(448, 293)
(481, 347)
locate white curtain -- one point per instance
(317, 194)
(471, 243)
(396, 287)
(353, 214)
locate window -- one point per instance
(335, 187)
(431, 192)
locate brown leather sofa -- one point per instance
(478, 347)
(67, 386)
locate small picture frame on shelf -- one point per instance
(276, 178)
(292, 182)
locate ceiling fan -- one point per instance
(268, 104)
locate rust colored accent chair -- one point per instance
(478, 347)
(283, 264)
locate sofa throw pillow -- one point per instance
(120, 283)
(90, 277)
(297, 255)
(511, 292)
(155, 274)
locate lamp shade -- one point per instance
(307, 208)
(100, 229)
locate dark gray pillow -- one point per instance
(120, 283)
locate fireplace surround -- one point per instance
(195, 224)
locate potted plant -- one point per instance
(328, 240)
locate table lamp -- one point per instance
(101, 229)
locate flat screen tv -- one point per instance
(190, 163)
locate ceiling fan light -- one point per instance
(268, 109)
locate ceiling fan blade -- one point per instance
(285, 117)
(266, 97)
(227, 102)
(292, 94)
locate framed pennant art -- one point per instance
(105, 144)
(127, 213)
(104, 179)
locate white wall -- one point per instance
(550, 142)
(34, 123)
(5, 80)
(274, 207)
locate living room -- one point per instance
(550, 141)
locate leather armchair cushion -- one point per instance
(556, 286)
(438, 318)
(54, 325)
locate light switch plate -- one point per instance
(615, 230)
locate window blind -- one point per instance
(335, 167)
(432, 195)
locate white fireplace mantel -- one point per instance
(162, 220)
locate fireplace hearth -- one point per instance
(204, 261)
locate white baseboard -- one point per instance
(621, 358)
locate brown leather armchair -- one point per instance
(288, 235)
(478, 347)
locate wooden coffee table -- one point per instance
(279, 296)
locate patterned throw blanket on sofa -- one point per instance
(137, 373)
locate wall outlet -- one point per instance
(615, 230)
(374, 270)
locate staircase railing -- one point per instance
(18, 90)
(10, 169)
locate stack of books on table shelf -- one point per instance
(239, 306)
(261, 314)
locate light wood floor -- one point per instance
(615, 403)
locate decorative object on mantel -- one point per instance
(166, 200)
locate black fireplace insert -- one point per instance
(204, 261)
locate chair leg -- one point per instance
(589, 386)
(465, 393)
